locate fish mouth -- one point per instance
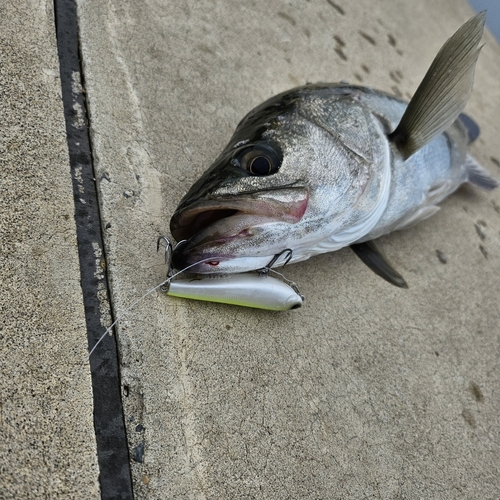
(212, 226)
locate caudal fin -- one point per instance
(477, 176)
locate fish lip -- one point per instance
(287, 204)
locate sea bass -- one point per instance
(325, 166)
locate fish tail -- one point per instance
(478, 176)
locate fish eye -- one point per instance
(260, 165)
(259, 160)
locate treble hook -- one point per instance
(168, 256)
(288, 252)
(267, 269)
(168, 248)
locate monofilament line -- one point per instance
(87, 357)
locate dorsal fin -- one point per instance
(443, 92)
(373, 257)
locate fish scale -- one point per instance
(358, 163)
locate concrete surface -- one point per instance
(368, 391)
(47, 446)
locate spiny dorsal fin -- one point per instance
(444, 91)
(373, 257)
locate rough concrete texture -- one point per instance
(47, 446)
(368, 391)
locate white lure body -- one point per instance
(244, 289)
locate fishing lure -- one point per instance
(257, 290)
(245, 289)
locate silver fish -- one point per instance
(326, 166)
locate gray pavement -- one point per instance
(47, 444)
(367, 391)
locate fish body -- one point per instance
(325, 166)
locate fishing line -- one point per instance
(76, 376)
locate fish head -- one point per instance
(284, 181)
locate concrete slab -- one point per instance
(47, 445)
(368, 390)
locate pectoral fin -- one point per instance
(443, 92)
(373, 257)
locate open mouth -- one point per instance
(285, 205)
